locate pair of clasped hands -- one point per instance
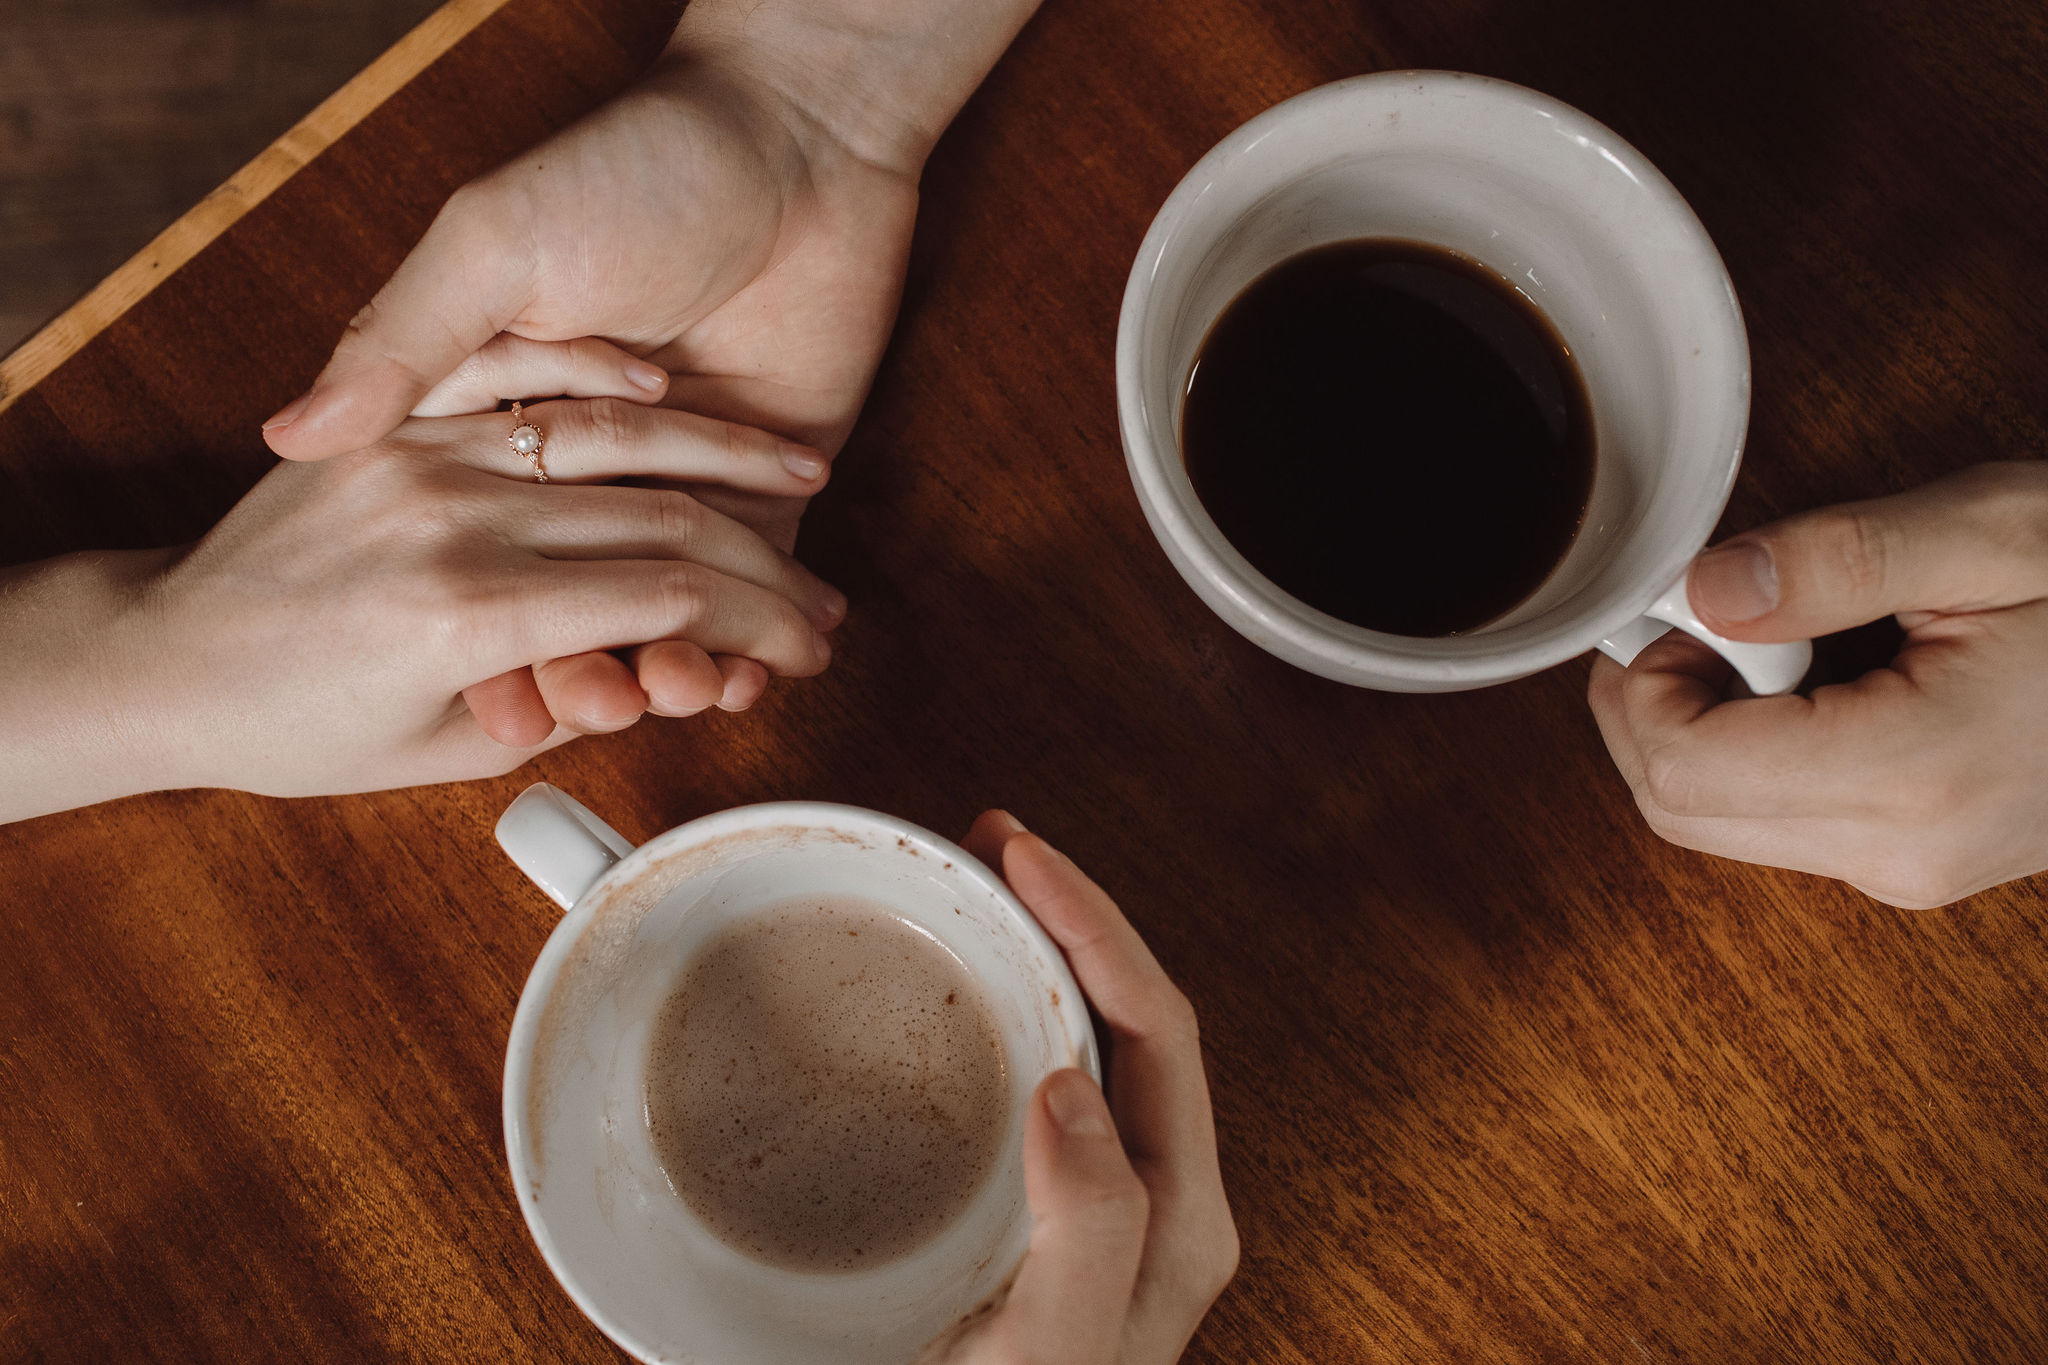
(708, 269)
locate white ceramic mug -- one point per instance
(1580, 222)
(625, 1246)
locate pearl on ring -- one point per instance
(527, 439)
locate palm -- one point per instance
(765, 281)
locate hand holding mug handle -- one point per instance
(1920, 782)
(1770, 670)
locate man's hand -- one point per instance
(741, 218)
(1131, 1237)
(1919, 783)
(693, 221)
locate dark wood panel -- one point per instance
(1500, 1077)
(118, 115)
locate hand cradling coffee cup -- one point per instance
(766, 1086)
(1427, 381)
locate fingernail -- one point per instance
(1736, 582)
(1076, 1106)
(290, 412)
(649, 377)
(833, 607)
(803, 463)
(1008, 823)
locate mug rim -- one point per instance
(545, 976)
(1283, 624)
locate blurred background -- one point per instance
(118, 115)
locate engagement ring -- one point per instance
(527, 439)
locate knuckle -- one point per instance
(2011, 500)
(1926, 879)
(677, 517)
(386, 472)
(471, 215)
(1215, 1264)
(422, 503)
(478, 370)
(1635, 688)
(455, 610)
(1117, 1200)
(1670, 827)
(1936, 793)
(685, 597)
(1229, 1254)
(1198, 1258)
(606, 427)
(1177, 1022)
(1669, 781)
(588, 353)
(807, 653)
(1858, 551)
(735, 442)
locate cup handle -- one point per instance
(554, 839)
(1770, 670)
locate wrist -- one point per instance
(79, 719)
(880, 78)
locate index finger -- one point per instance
(1690, 753)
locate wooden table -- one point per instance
(1500, 1076)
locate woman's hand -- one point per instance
(1131, 1237)
(1919, 783)
(319, 638)
(600, 692)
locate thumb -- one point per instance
(1974, 541)
(465, 282)
(1089, 1213)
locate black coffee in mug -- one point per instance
(1392, 433)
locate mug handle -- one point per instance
(1770, 670)
(554, 839)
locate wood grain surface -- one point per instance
(1500, 1077)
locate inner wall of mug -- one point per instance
(639, 1261)
(1602, 246)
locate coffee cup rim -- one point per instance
(1280, 622)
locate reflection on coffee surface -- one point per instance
(826, 1088)
(1392, 433)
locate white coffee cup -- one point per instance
(629, 1251)
(1580, 222)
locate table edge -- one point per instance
(66, 334)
